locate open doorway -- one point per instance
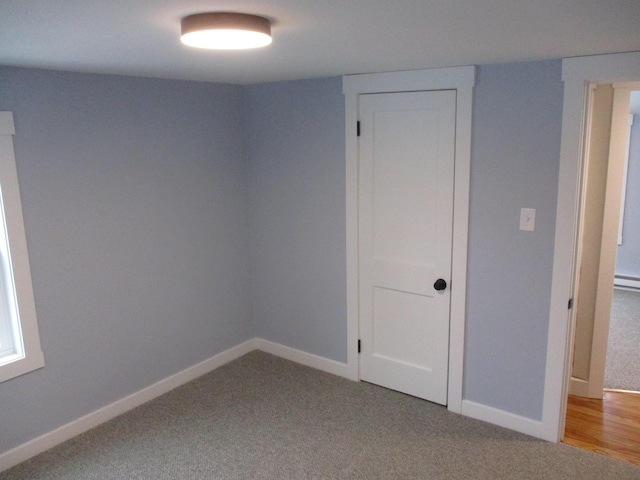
(578, 74)
(600, 235)
(622, 371)
(606, 320)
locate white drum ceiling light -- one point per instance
(225, 31)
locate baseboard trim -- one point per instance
(49, 440)
(627, 282)
(303, 358)
(579, 387)
(504, 419)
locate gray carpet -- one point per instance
(622, 370)
(262, 417)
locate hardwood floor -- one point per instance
(610, 426)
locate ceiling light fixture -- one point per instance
(225, 31)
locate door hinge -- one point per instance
(358, 128)
(359, 346)
(570, 304)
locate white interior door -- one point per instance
(406, 167)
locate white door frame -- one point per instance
(578, 74)
(461, 79)
(617, 160)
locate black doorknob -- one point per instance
(440, 284)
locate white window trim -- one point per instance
(32, 357)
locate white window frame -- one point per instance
(15, 274)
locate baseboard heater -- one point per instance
(626, 281)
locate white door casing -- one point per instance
(577, 73)
(405, 234)
(617, 156)
(589, 246)
(462, 80)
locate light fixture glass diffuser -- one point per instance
(225, 31)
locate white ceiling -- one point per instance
(311, 38)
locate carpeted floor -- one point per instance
(622, 370)
(261, 417)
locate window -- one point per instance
(19, 340)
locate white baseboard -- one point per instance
(303, 358)
(49, 440)
(504, 419)
(627, 282)
(579, 387)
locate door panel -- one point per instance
(398, 324)
(405, 228)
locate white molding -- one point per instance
(579, 387)
(76, 427)
(616, 166)
(460, 241)
(351, 201)
(625, 174)
(410, 80)
(627, 283)
(49, 440)
(31, 358)
(504, 419)
(578, 74)
(461, 79)
(303, 358)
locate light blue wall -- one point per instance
(296, 179)
(517, 121)
(135, 208)
(144, 200)
(295, 139)
(628, 262)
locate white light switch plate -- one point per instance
(528, 219)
